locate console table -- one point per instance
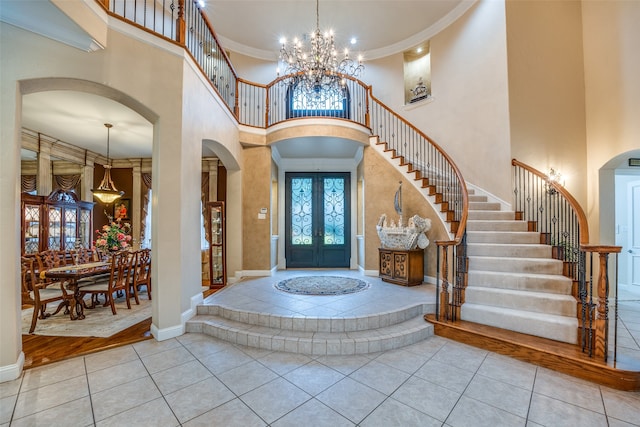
(402, 267)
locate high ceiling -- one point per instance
(250, 27)
(381, 27)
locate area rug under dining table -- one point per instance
(99, 321)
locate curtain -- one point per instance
(146, 184)
(67, 182)
(28, 183)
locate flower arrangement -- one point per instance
(114, 236)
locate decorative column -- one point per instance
(136, 205)
(45, 176)
(87, 178)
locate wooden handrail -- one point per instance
(465, 195)
(582, 218)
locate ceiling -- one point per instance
(251, 27)
(381, 27)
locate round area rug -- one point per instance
(321, 285)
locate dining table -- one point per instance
(70, 277)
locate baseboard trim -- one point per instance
(12, 372)
(167, 333)
(259, 273)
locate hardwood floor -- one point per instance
(567, 358)
(40, 350)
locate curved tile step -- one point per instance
(317, 324)
(313, 343)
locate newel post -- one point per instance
(181, 25)
(445, 306)
(601, 322)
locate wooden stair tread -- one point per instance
(555, 355)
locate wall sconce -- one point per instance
(554, 177)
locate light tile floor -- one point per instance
(198, 380)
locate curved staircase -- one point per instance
(513, 281)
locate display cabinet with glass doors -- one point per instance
(217, 248)
(59, 221)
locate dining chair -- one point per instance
(38, 294)
(82, 255)
(142, 273)
(118, 280)
(50, 259)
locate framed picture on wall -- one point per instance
(121, 209)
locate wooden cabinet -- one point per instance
(217, 245)
(58, 221)
(402, 267)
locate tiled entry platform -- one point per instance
(254, 313)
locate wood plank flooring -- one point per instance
(562, 357)
(40, 350)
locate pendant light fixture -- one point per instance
(106, 191)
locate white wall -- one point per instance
(468, 116)
(612, 88)
(150, 76)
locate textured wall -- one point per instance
(256, 194)
(381, 181)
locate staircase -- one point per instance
(513, 281)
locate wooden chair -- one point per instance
(82, 255)
(141, 273)
(50, 259)
(118, 280)
(38, 294)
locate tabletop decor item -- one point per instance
(114, 236)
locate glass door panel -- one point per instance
(55, 228)
(317, 220)
(216, 230)
(70, 228)
(85, 228)
(31, 229)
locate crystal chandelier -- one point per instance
(318, 68)
(106, 191)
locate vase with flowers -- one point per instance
(114, 236)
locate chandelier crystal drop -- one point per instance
(106, 191)
(319, 68)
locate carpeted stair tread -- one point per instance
(496, 225)
(559, 328)
(552, 283)
(518, 237)
(539, 302)
(313, 342)
(491, 215)
(516, 250)
(523, 265)
(487, 206)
